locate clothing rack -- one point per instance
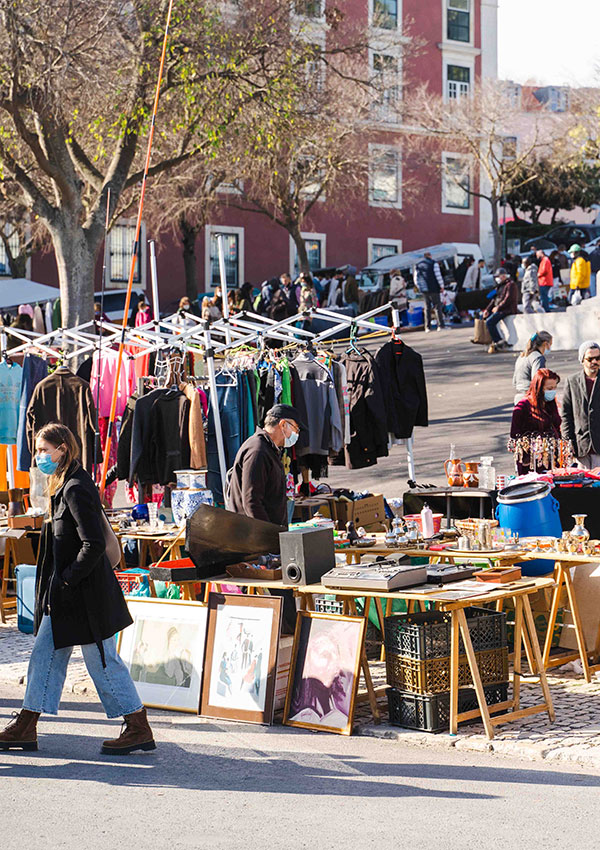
(244, 328)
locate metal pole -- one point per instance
(223, 277)
(154, 279)
(214, 400)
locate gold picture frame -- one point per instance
(324, 672)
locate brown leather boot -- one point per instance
(21, 733)
(136, 734)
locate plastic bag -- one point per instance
(576, 298)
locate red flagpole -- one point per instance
(138, 228)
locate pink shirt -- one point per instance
(105, 374)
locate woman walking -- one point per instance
(78, 602)
(532, 358)
(529, 287)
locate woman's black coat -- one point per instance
(75, 583)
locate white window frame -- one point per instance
(316, 237)
(113, 283)
(379, 112)
(460, 63)
(385, 29)
(454, 42)
(396, 244)
(310, 18)
(457, 210)
(211, 230)
(7, 275)
(235, 188)
(373, 150)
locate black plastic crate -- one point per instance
(432, 675)
(328, 606)
(427, 634)
(431, 712)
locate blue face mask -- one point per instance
(45, 464)
(549, 395)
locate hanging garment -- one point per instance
(124, 447)
(39, 325)
(10, 392)
(168, 439)
(48, 316)
(35, 369)
(230, 399)
(64, 397)
(102, 380)
(197, 439)
(140, 463)
(110, 489)
(368, 431)
(316, 400)
(85, 370)
(403, 381)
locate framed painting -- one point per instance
(164, 651)
(240, 669)
(324, 672)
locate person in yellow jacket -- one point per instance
(581, 274)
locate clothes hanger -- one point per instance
(353, 348)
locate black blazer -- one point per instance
(405, 392)
(581, 416)
(75, 583)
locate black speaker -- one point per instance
(306, 555)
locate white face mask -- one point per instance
(291, 440)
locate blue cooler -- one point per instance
(25, 574)
(416, 317)
(530, 510)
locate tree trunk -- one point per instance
(496, 232)
(188, 239)
(76, 262)
(300, 244)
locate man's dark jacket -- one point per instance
(581, 416)
(404, 389)
(257, 486)
(75, 582)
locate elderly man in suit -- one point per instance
(581, 407)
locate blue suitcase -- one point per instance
(25, 574)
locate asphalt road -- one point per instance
(470, 396)
(218, 785)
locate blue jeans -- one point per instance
(545, 297)
(48, 670)
(492, 325)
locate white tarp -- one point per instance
(20, 290)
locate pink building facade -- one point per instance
(458, 47)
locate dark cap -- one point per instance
(286, 411)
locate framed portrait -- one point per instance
(164, 651)
(241, 657)
(324, 672)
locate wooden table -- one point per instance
(525, 636)
(563, 563)
(174, 539)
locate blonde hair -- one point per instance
(59, 435)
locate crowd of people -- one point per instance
(536, 410)
(281, 297)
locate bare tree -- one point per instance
(77, 82)
(21, 233)
(500, 143)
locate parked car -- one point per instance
(564, 234)
(114, 303)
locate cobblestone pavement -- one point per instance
(574, 737)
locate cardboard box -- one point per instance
(364, 512)
(25, 521)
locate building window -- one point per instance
(509, 148)
(385, 14)
(13, 242)
(122, 238)
(458, 16)
(231, 250)
(378, 248)
(385, 180)
(456, 183)
(458, 81)
(315, 250)
(309, 8)
(385, 80)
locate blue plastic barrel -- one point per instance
(416, 317)
(530, 510)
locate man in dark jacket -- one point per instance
(257, 487)
(428, 280)
(504, 304)
(581, 407)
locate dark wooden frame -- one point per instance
(205, 709)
